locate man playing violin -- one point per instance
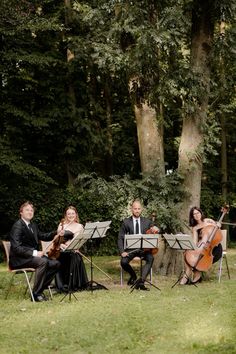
(24, 252)
(135, 224)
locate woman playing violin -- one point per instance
(70, 222)
(198, 222)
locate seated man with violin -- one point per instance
(25, 251)
(135, 224)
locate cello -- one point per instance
(201, 259)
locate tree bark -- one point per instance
(224, 167)
(70, 91)
(191, 149)
(150, 138)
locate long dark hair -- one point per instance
(192, 221)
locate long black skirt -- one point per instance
(72, 274)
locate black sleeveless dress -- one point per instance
(72, 274)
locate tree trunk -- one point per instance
(191, 149)
(224, 169)
(150, 138)
(71, 90)
(109, 155)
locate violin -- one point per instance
(152, 230)
(201, 259)
(55, 249)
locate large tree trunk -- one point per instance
(150, 138)
(71, 91)
(108, 158)
(224, 169)
(191, 149)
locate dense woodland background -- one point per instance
(106, 101)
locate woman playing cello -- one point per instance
(199, 223)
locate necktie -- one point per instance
(30, 228)
(137, 227)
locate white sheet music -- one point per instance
(97, 229)
(180, 241)
(141, 241)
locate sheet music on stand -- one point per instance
(78, 242)
(94, 230)
(97, 229)
(139, 241)
(180, 241)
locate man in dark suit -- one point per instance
(135, 224)
(25, 253)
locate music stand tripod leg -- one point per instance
(146, 281)
(70, 292)
(90, 284)
(183, 274)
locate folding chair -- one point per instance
(26, 271)
(224, 255)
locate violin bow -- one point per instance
(88, 260)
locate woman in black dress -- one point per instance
(72, 274)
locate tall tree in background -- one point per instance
(191, 149)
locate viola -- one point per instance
(201, 259)
(152, 230)
(55, 249)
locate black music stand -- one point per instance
(95, 230)
(180, 242)
(140, 242)
(74, 245)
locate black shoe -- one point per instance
(142, 287)
(39, 298)
(199, 280)
(185, 280)
(131, 280)
(45, 297)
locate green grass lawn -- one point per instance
(185, 319)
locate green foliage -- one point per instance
(64, 119)
(99, 199)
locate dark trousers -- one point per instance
(45, 270)
(148, 257)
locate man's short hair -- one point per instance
(25, 204)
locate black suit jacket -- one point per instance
(127, 227)
(24, 242)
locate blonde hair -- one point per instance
(76, 212)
